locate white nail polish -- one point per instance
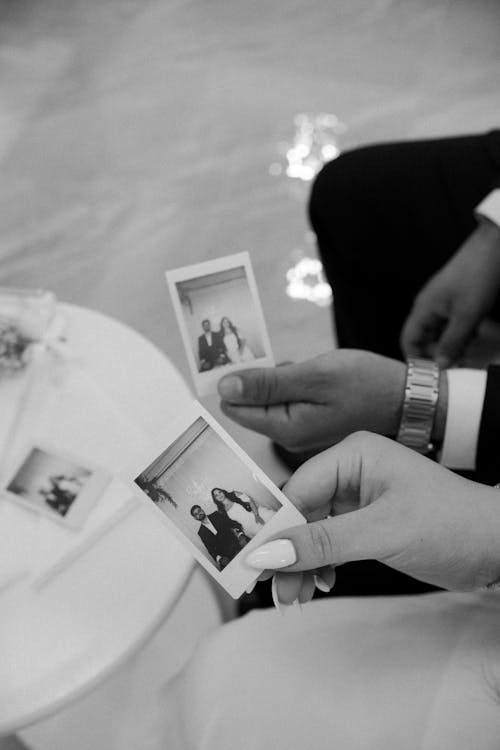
(272, 556)
(274, 595)
(321, 584)
(251, 588)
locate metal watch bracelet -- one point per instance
(419, 406)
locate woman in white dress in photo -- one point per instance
(236, 347)
(242, 508)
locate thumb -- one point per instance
(454, 339)
(263, 386)
(359, 535)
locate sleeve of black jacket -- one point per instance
(488, 446)
(492, 142)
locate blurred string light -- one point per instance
(316, 141)
(305, 280)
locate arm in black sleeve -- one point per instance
(488, 446)
(492, 141)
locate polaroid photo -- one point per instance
(58, 486)
(213, 497)
(220, 317)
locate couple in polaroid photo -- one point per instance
(229, 528)
(222, 347)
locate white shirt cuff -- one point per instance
(466, 389)
(490, 207)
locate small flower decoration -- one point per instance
(14, 347)
(25, 317)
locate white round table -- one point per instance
(59, 642)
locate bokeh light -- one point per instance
(316, 140)
(306, 281)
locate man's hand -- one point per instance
(312, 405)
(448, 310)
(370, 498)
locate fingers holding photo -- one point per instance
(372, 499)
(292, 588)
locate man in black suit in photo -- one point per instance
(211, 348)
(222, 536)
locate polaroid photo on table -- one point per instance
(58, 486)
(213, 497)
(220, 317)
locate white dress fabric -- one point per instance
(398, 673)
(233, 351)
(246, 518)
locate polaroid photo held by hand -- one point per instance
(58, 486)
(213, 497)
(220, 317)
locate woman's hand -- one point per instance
(448, 310)
(370, 498)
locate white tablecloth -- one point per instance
(58, 641)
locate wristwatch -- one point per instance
(419, 407)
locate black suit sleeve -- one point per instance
(201, 348)
(224, 522)
(235, 525)
(488, 446)
(493, 146)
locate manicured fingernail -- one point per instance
(272, 556)
(251, 588)
(274, 594)
(321, 584)
(231, 387)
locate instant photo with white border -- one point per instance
(223, 293)
(59, 486)
(187, 468)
